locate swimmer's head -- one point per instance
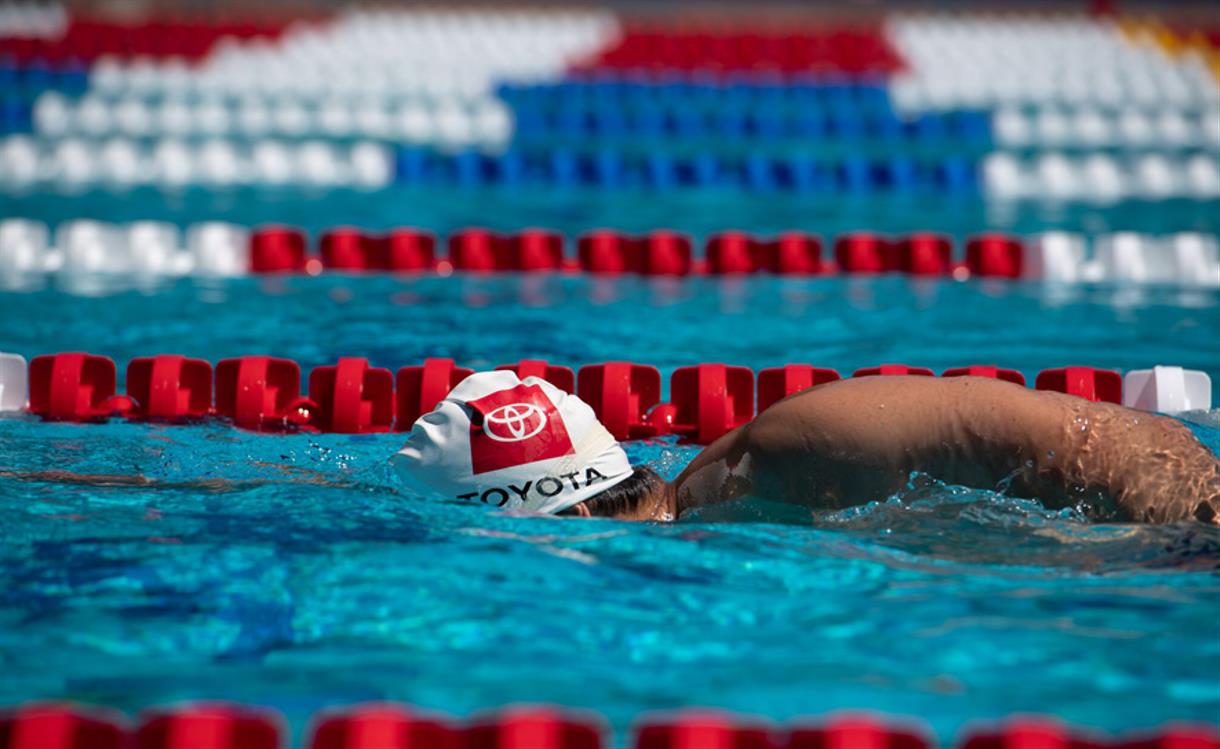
(509, 443)
(642, 496)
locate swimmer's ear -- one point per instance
(580, 510)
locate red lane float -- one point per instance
(862, 253)
(1176, 737)
(855, 733)
(664, 253)
(477, 250)
(922, 254)
(354, 250)
(622, 395)
(259, 392)
(60, 726)
(777, 383)
(535, 728)
(277, 249)
(351, 249)
(483, 251)
(791, 253)
(169, 387)
(1083, 382)
(387, 726)
(409, 250)
(605, 252)
(280, 249)
(736, 253)
(995, 256)
(732, 252)
(710, 400)
(421, 388)
(210, 726)
(701, 730)
(892, 370)
(995, 373)
(72, 387)
(352, 397)
(560, 377)
(658, 253)
(1029, 733)
(394, 726)
(536, 250)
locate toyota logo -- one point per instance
(514, 422)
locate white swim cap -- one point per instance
(511, 443)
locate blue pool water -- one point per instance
(291, 571)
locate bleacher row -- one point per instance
(998, 60)
(76, 164)
(156, 249)
(352, 397)
(561, 97)
(1100, 177)
(393, 726)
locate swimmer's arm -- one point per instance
(858, 440)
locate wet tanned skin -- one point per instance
(854, 441)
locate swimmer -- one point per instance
(513, 444)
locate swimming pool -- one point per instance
(951, 606)
(292, 571)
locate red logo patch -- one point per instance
(514, 427)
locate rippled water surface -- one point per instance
(289, 570)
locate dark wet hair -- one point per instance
(624, 496)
